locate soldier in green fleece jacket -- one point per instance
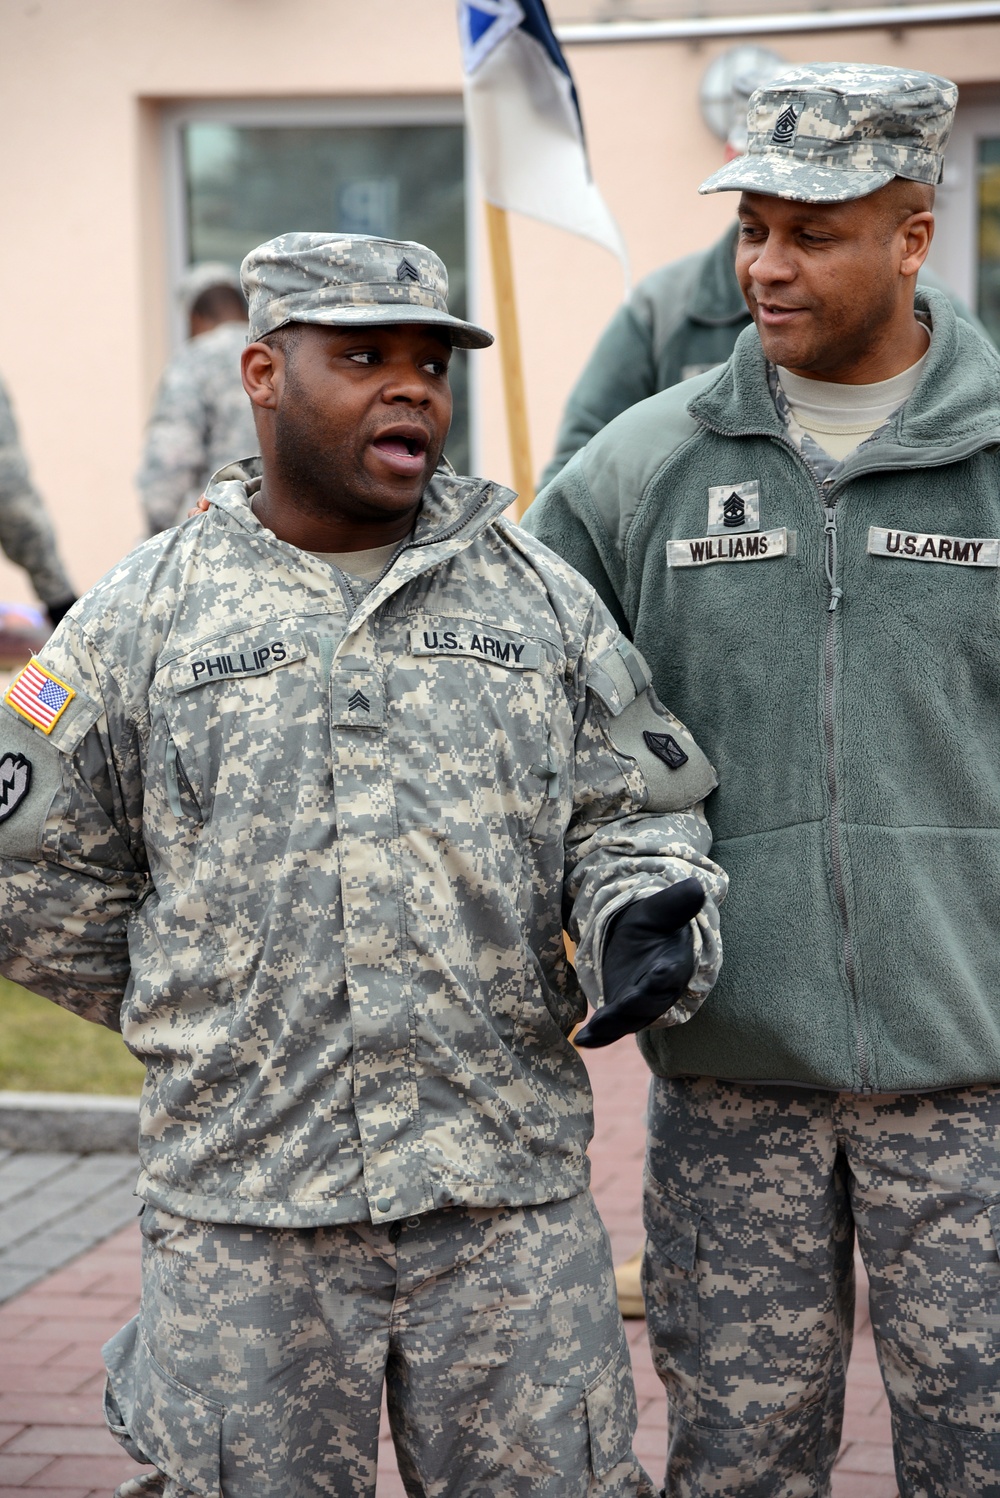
(805, 545)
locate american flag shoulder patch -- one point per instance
(39, 696)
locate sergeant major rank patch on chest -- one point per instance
(38, 696)
(733, 507)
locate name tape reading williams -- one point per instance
(915, 546)
(700, 551)
(517, 654)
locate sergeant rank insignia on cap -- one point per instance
(38, 696)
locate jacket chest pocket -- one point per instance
(478, 704)
(245, 734)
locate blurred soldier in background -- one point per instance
(25, 530)
(201, 416)
(681, 320)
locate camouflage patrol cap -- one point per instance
(831, 132)
(349, 281)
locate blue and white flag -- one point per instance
(525, 123)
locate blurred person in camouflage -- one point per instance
(26, 534)
(299, 797)
(679, 321)
(805, 544)
(201, 417)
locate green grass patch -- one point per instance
(46, 1049)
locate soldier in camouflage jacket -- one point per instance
(309, 833)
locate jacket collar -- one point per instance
(453, 508)
(954, 411)
(454, 512)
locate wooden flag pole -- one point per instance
(510, 357)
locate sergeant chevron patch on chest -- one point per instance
(923, 546)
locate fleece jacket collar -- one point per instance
(953, 412)
(717, 299)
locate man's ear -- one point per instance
(917, 232)
(263, 369)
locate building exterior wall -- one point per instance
(84, 325)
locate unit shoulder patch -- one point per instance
(918, 546)
(38, 696)
(15, 783)
(666, 747)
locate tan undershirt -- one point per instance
(840, 417)
(366, 565)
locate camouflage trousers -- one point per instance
(754, 1196)
(256, 1366)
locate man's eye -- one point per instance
(364, 356)
(437, 366)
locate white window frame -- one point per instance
(305, 113)
(955, 249)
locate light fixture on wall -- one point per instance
(716, 93)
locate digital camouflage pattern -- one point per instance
(26, 534)
(830, 132)
(313, 848)
(202, 419)
(346, 280)
(753, 1196)
(495, 1333)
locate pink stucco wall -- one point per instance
(82, 270)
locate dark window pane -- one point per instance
(247, 183)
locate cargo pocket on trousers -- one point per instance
(159, 1420)
(611, 1414)
(670, 1288)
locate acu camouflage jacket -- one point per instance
(313, 851)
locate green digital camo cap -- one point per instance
(836, 131)
(350, 281)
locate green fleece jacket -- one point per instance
(842, 670)
(680, 320)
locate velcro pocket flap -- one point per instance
(671, 1225)
(611, 1415)
(618, 676)
(177, 1429)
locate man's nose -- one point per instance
(774, 263)
(407, 385)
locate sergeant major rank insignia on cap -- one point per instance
(38, 696)
(784, 126)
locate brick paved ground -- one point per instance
(52, 1440)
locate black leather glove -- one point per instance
(648, 960)
(57, 611)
